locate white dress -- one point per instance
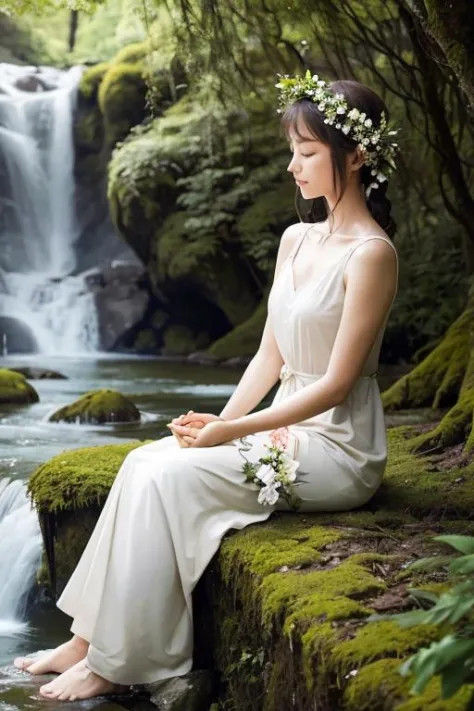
(165, 516)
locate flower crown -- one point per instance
(373, 141)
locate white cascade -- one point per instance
(38, 226)
(20, 553)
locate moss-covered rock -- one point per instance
(289, 599)
(243, 340)
(91, 80)
(133, 53)
(122, 98)
(97, 407)
(15, 389)
(180, 340)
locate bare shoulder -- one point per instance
(288, 240)
(375, 257)
(291, 236)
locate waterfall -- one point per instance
(38, 226)
(20, 553)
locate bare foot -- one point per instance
(58, 660)
(79, 682)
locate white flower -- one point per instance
(375, 139)
(315, 77)
(381, 177)
(365, 141)
(338, 125)
(321, 106)
(346, 128)
(341, 110)
(368, 122)
(353, 113)
(321, 82)
(290, 467)
(268, 495)
(340, 96)
(266, 474)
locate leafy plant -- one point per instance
(452, 657)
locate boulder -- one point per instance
(32, 373)
(15, 389)
(285, 603)
(122, 297)
(191, 692)
(98, 407)
(16, 336)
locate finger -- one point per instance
(189, 440)
(188, 431)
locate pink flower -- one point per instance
(279, 437)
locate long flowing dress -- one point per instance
(169, 507)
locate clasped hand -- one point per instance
(197, 429)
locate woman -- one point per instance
(174, 499)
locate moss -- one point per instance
(92, 79)
(15, 389)
(437, 379)
(379, 687)
(180, 340)
(89, 131)
(243, 340)
(146, 341)
(98, 406)
(78, 478)
(133, 53)
(122, 95)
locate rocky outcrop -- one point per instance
(284, 607)
(33, 373)
(98, 407)
(122, 297)
(15, 389)
(16, 336)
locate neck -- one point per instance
(351, 214)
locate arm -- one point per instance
(263, 370)
(371, 286)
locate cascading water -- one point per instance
(20, 552)
(38, 226)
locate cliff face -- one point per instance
(197, 192)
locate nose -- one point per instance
(293, 166)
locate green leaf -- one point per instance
(462, 565)
(463, 544)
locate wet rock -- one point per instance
(98, 407)
(15, 389)
(191, 692)
(122, 298)
(16, 337)
(39, 373)
(237, 361)
(31, 83)
(201, 358)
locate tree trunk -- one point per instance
(73, 23)
(450, 26)
(445, 378)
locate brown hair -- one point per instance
(360, 97)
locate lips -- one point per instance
(301, 182)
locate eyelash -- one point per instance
(307, 155)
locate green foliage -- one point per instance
(452, 657)
(92, 79)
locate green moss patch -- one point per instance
(78, 478)
(15, 389)
(97, 407)
(244, 339)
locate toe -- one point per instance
(22, 663)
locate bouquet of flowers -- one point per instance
(274, 473)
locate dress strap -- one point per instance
(296, 249)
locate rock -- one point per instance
(39, 373)
(191, 692)
(122, 297)
(98, 406)
(16, 336)
(237, 362)
(244, 340)
(201, 358)
(31, 83)
(15, 389)
(179, 340)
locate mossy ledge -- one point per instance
(15, 389)
(287, 602)
(98, 406)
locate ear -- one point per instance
(356, 159)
